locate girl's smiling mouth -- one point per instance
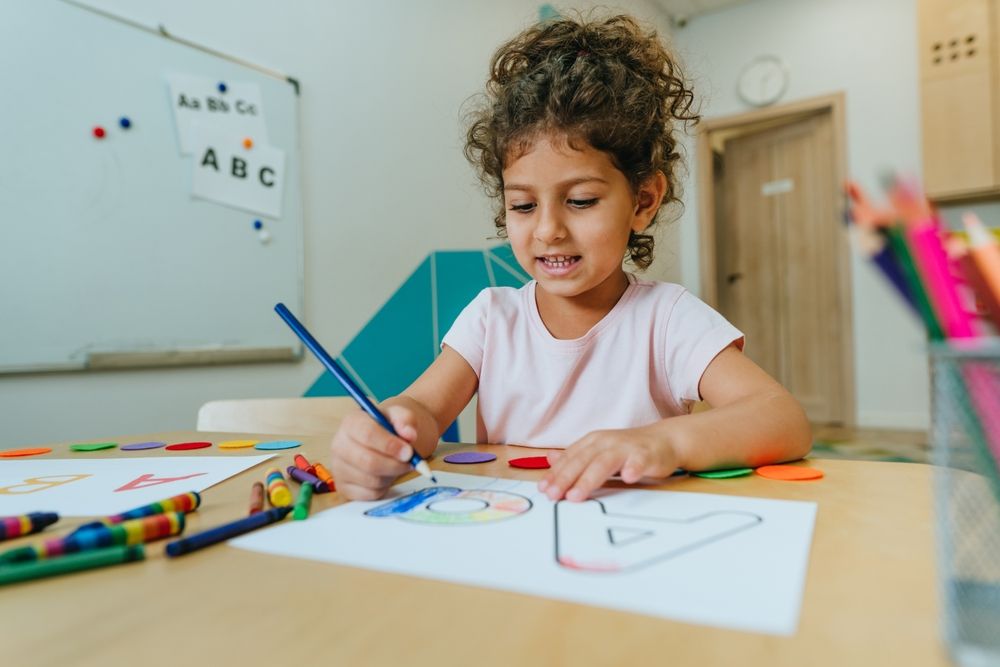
(558, 265)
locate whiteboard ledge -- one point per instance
(98, 361)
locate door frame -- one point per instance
(833, 104)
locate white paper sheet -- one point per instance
(196, 99)
(228, 173)
(725, 561)
(90, 487)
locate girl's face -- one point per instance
(569, 214)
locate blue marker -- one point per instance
(359, 396)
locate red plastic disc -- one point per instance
(530, 462)
(180, 446)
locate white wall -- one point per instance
(868, 50)
(385, 183)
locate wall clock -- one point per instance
(763, 81)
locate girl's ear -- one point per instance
(648, 200)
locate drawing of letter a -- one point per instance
(148, 480)
(591, 539)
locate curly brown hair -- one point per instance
(608, 82)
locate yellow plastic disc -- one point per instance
(237, 444)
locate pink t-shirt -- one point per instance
(639, 364)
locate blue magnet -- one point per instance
(125, 122)
(257, 224)
(222, 87)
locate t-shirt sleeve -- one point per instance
(467, 334)
(695, 335)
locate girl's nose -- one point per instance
(550, 226)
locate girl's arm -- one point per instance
(366, 458)
(754, 421)
(437, 397)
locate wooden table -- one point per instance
(870, 594)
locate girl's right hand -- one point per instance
(366, 457)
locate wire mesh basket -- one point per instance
(965, 442)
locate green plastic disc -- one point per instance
(724, 474)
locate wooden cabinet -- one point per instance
(960, 97)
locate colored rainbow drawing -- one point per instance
(448, 505)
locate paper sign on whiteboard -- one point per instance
(228, 173)
(239, 111)
(91, 487)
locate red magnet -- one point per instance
(99, 132)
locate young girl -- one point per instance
(576, 143)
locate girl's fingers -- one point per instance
(369, 433)
(371, 462)
(594, 476)
(635, 467)
(356, 492)
(566, 471)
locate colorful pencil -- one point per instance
(345, 380)
(985, 253)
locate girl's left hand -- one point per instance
(590, 461)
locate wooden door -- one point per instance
(777, 236)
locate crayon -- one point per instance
(416, 461)
(302, 463)
(277, 490)
(301, 510)
(15, 526)
(72, 563)
(256, 497)
(184, 502)
(325, 475)
(304, 478)
(126, 533)
(224, 532)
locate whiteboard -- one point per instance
(106, 258)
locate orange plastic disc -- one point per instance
(29, 451)
(789, 473)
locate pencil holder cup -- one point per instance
(965, 440)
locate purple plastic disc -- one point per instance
(142, 445)
(470, 457)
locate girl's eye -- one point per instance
(522, 208)
(581, 203)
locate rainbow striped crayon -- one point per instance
(277, 490)
(183, 503)
(26, 524)
(126, 533)
(325, 475)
